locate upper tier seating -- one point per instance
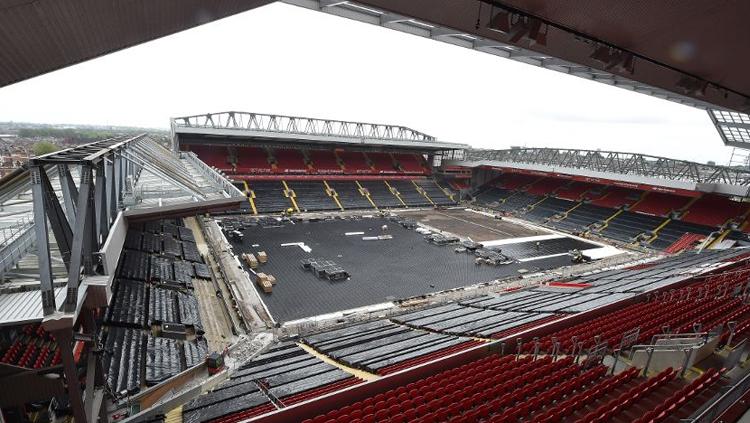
(627, 225)
(675, 229)
(409, 194)
(435, 192)
(383, 162)
(289, 161)
(380, 194)
(324, 161)
(548, 208)
(714, 210)
(269, 196)
(660, 204)
(214, 156)
(252, 160)
(493, 195)
(573, 191)
(546, 186)
(581, 217)
(410, 163)
(311, 196)
(514, 181)
(616, 197)
(354, 162)
(517, 201)
(349, 195)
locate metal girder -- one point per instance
(57, 219)
(42, 240)
(100, 202)
(300, 125)
(70, 192)
(83, 238)
(617, 162)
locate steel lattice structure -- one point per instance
(616, 162)
(300, 125)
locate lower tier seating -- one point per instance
(506, 389)
(435, 192)
(627, 225)
(516, 202)
(675, 229)
(380, 194)
(580, 218)
(409, 194)
(311, 196)
(492, 195)
(548, 208)
(349, 195)
(269, 196)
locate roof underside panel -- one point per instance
(44, 35)
(692, 49)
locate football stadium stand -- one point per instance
(123, 290)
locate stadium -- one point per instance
(273, 268)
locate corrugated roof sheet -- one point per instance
(24, 307)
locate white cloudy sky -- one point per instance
(286, 60)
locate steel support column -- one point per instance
(111, 189)
(64, 338)
(83, 238)
(100, 201)
(42, 241)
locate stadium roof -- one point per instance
(40, 36)
(690, 49)
(617, 166)
(686, 52)
(241, 126)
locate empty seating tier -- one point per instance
(383, 162)
(714, 210)
(517, 202)
(410, 163)
(354, 162)
(435, 192)
(505, 389)
(458, 319)
(311, 196)
(289, 161)
(580, 218)
(380, 194)
(627, 225)
(409, 194)
(384, 347)
(660, 204)
(269, 196)
(573, 191)
(675, 229)
(548, 208)
(251, 160)
(492, 195)
(616, 197)
(324, 161)
(285, 372)
(349, 195)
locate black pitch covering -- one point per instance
(381, 271)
